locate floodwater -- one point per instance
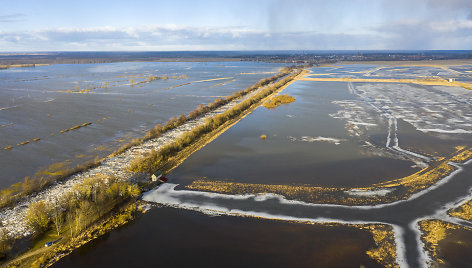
(340, 134)
(456, 247)
(181, 238)
(34, 103)
(293, 153)
(334, 134)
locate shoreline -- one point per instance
(432, 63)
(176, 160)
(33, 63)
(12, 218)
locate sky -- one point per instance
(176, 25)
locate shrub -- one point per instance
(5, 243)
(37, 217)
(279, 100)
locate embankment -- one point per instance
(226, 112)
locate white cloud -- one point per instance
(423, 34)
(406, 34)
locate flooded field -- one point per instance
(179, 238)
(342, 135)
(308, 178)
(454, 249)
(69, 114)
(335, 134)
(305, 144)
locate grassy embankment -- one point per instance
(83, 213)
(425, 81)
(9, 66)
(172, 153)
(41, 180)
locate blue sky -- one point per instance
(51, 25)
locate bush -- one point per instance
(5, 243)
(279, 100)
(37, 217)
(94, 197)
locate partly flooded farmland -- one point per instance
(69, 114)
(347, 169)
(369, 137)
(306, 144)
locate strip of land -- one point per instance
(387, 192)
(427, 81)
(14, 219)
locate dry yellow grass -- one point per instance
(462, 156)
(289, 191)
(260, 73)
(222, 83)
(463, 212)
(433, 232)
(430, 63)
(278, 100)
(426, 81)
(385, 253)
(214, 79)
(8, 66)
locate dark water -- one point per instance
(402, 214)
(414, 140)
(174, 237)
(456, 247)
(31, 106)
(168, 237)
(177, 232)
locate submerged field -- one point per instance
(342, 138)
(341, 142)
(305, 145)
(199, 240)
(344, 172)
(43, 109)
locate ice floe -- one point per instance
(317, 139)
(361, 192)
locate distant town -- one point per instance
(290, 56)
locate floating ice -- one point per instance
(317, 139)
(360, 192)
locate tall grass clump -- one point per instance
(278, 100)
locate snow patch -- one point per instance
(360, 192)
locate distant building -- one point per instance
(452, 80)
